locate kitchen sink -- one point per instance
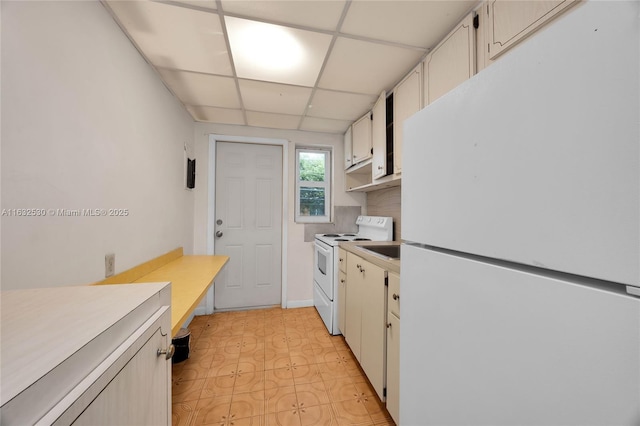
(391, 252)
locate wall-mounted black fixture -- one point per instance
(191, 173)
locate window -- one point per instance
(313, 185)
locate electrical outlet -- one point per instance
(109, 265)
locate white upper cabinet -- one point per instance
(379, 137)
(361, 134)
(348, 149)
(511, 21)
(407, 100)
(451, 62)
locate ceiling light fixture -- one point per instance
(268, 46)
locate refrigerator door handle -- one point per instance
(634, 291)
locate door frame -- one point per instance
(213, 140)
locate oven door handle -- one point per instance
(323, 250)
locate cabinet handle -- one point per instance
(167, 352)
(341, 259)
(389, 325)
(396, 296)
(380, 168)
(342, 281)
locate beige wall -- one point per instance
(86, 124)
(300, 253)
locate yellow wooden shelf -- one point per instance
(190, 278)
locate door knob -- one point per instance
(219, 234)
(168, 353)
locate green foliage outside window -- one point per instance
(312, 167)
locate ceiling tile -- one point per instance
(313, 124)
(205, 4)
(340, 105)
(365, 67)
(175, 37)
(273, 97)
(415, 23)
(273, 121)
(216, 115)
(202, 89)
(305, 51)
(323, 15)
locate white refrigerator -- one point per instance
(520, 269)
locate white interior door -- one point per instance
(248, 224)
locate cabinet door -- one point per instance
(361, 135)
(348, 149)
(379, 137)
(451, 62)
(511, 21)
(342, 260)
(342, 305)
(139, 394)
(393, 367)
(353, 308)
(393, 298)
(407, 100)
(374, 312)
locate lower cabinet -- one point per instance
(353, 305)
(342, 302)
(393, 348)
(96, 355)
(138, 393)
(366, 318)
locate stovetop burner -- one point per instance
(370, 228)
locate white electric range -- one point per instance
(326, 263)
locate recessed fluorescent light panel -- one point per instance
(275, 53)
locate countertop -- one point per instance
(190, 277)
(391, 265)
(43, 327)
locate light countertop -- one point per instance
(391, 265)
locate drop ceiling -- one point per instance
(343, 54)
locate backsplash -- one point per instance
(386, 202)
(344, 221)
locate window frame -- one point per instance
(326, 218)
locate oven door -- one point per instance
(323, 267)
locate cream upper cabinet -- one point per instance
(511, 21)
(379, 137)
(361, 137)
(348, 149)
(407, 100)
(451, 62)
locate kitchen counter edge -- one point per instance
(391, 265)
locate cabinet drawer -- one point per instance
(393, 302)
(342, 260)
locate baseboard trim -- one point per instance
(299, 303)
